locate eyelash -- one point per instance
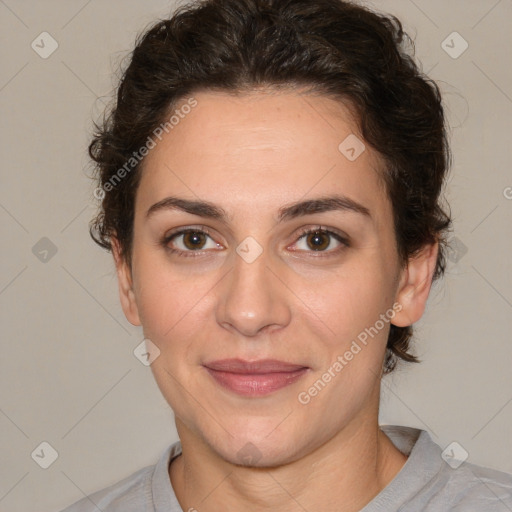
(186, 254)
(204, 230)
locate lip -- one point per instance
(254, 378)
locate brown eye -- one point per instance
(190, 241)
(194, 240)
(318, 240)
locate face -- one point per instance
(257, 238)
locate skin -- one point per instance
(251, 155)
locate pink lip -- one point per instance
(254, 378)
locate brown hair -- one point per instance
(333, 47)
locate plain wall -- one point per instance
(68, 375)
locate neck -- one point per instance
(343, 475)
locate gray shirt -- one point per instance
(425, 483)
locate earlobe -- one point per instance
(414, 286)
(125, 283)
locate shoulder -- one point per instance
(140, 491)
(433, 480)
(473, 487)
(127, 495)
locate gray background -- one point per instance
(68, 375)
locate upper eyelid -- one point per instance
(183, 231)
(187, 229)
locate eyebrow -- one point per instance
(287, 212)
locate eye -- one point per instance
(192, 242)
(189, 240)
(319, 239)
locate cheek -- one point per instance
(176, 309)
(173, 309)
(353, 305)
(168, 301)
(354, 298)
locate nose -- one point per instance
(252, 299)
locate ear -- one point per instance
(124, 280)
(414, 286)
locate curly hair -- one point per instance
(332, 47)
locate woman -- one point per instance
(271, 180)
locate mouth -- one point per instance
(254, 378)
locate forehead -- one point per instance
(260, 150)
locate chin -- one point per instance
(259, 450)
